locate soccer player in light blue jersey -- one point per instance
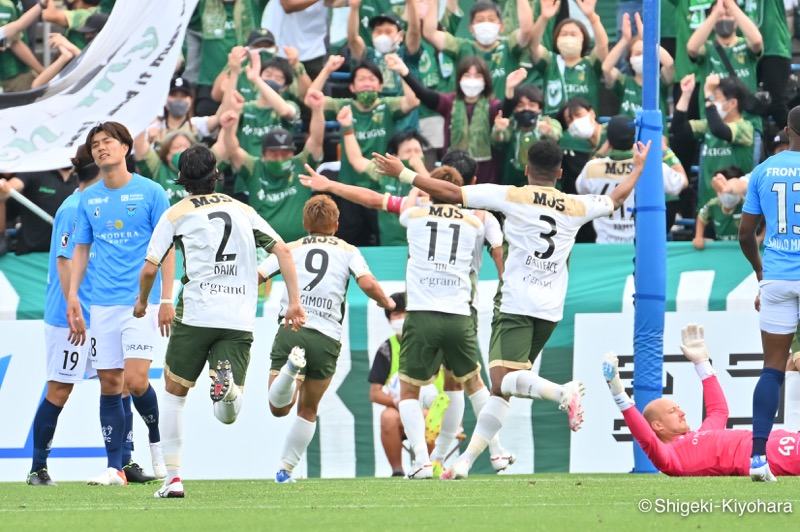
(66, 363)
(774, 194)
(116, 216)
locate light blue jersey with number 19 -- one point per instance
(119, 223)
(774, 192)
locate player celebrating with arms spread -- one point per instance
(217, 306)
(540, 228)
(117, 215)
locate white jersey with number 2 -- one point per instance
(540, 228)
(218, 237)
(441, 245)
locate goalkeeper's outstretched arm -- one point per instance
(694, 349)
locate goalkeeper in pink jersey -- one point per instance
(713, 450)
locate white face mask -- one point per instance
(582, 128)
(397, 326)
(569, 47)
(637, 64)
(728, 200)
(384, 44)
(472, 87)
(486, 32)
(720, 111)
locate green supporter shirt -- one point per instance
(717, 154)
(629, 94)
(689, 14)
(76, 19)
(10, 66)
(279, 201)
(390, 231)
(516, 144)
(726, 224)
(373, 128)
(742, 59)
(214, 52)
(154, 168)
(255, 122)
(770, 17)
(581, 80)
(503, 59)
(668, 20)
(429, 67)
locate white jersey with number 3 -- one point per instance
(324, 265)
(441, 246)
(540, 228)
(218, 237)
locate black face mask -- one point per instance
(526, 118)
(273, 85)
(724, 28)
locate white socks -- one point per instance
(297, 441)
(281, 392)
(792, 401)
(528, 385)
(171, 424)
(451, 422)
(479, 400)
(414, 425)
(490, 421)
(227, 410)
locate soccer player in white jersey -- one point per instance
(540, 228)
(477, 392)
(217, 306)
(603, 174)
(66, 364)
(116, 217)
(324, 265)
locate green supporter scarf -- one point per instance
(214, 17)
(473, 136)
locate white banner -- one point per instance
(603, 445)
(124, 76)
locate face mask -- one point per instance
(472, 87)
(582, 128)
(178, 108)
(720, 111)
(486, 32)
(728, 200)
(366, 98)
(279, 169)
(407, 162)
(397, 326)
(384, 44)
(269, 53)
(569, 47)
(724, 28)
(175, 159)
(272, 84)
(637, 64)
(526, 118)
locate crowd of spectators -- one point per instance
(274, 85)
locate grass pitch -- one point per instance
(509, 502)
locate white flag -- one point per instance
(123, 76)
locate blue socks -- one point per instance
(765, 405)
(127, 443)
(147, 406)
(44, 427)
(112, 421)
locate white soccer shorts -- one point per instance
(780, 306)
(117, 335)
(66, 363)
